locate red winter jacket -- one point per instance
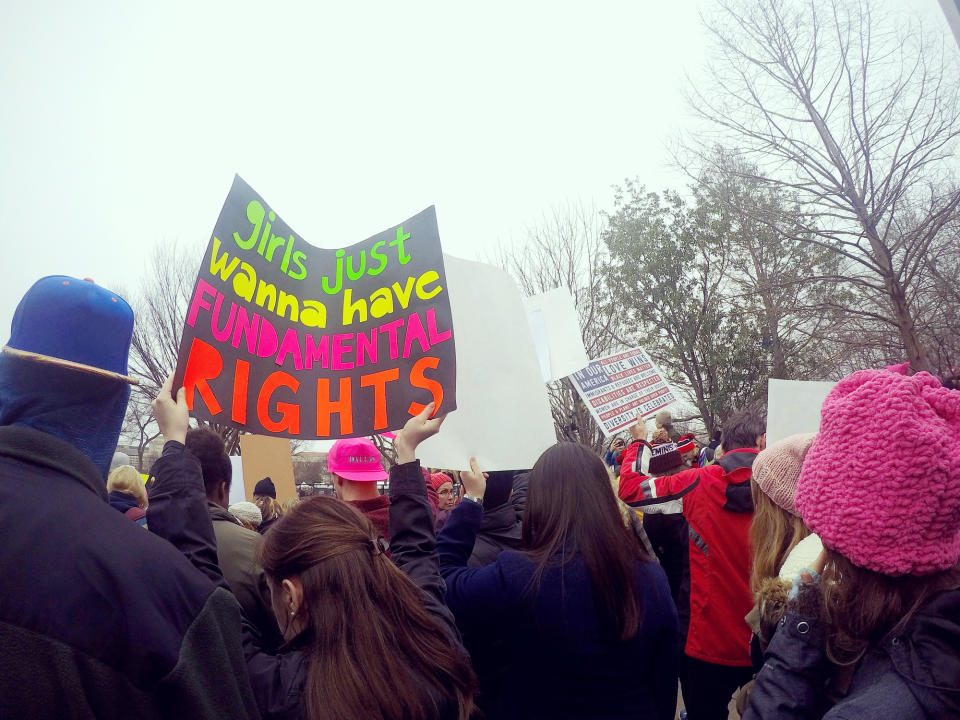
(719, 508)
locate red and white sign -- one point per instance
(616, 387)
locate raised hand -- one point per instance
(418, 428)
(474, 480)
(172, 416)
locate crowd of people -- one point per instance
(816, 576)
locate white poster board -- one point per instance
(237, 490)
(793, 406)
(555, 328)
(503, 413)
(616, 387)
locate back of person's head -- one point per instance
(745, 428)
(660, 437)
(663, 419)
(889, 518)
(777, 527)
(58, 380)
(375, 652)
(571, 508)
(248, 513)
(127, 480)
(265, 488)
(214, 461)
(499, 488)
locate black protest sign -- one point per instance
(283, 338)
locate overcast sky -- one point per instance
(124, 122)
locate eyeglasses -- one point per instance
(445, 492)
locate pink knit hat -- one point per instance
(777, 468)
(881, 483)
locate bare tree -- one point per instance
(566, 249)
(859, 119)
(787, 285)
(159, 306)
(139, 425)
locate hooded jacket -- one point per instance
(500, 529)
(719, 509)
(912, 675)
(98, 618)
(237, 550)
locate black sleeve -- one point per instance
(210, 677)
(413, 543)
(177, 509)
(790, 685)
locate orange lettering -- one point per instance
(327, 407)
(418, 380)
(378, 381)
(204, 363)
(289, 412)
(241, 380)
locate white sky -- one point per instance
(123, 122)
(122, 125)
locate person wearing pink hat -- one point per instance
(874, 627)
(356, 469)
(442, 484)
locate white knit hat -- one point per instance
(247, 511)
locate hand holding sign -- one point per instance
(639, 429)
(172, 415)
(417, 429)
(474, 480)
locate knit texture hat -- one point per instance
(438, 479)
(881, 482)
(265, 487)
(247, 511)
(777, 468)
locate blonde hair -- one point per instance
(773, 534)
(127, 480)
(269, 508)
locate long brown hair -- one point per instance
(375, 652)
(862, 607)
(571, 508)
(773, 534)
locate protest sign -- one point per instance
(286, 339)
(793, 406)
(504, 416)
(555, 328)
(616, 387)
(264, 456)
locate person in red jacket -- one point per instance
(719, 508)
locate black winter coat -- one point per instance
(99, 618)
(912, 676)
(278, 680)
(501, 529)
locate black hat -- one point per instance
(265, 487)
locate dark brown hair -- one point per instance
(375, 652)
(214, 462)
(862, 607)
(571, 508)
(744, 427)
